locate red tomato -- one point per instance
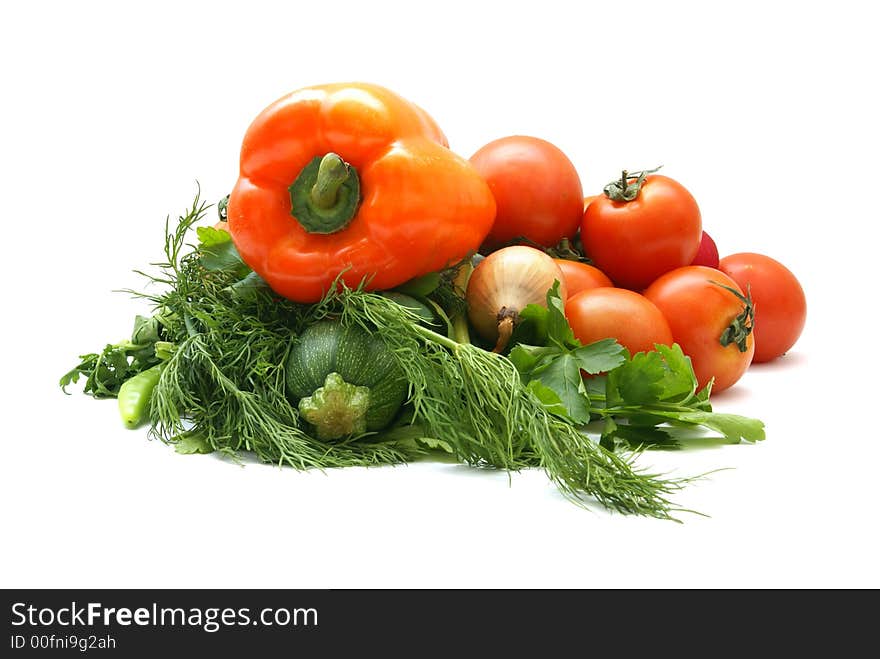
(710, 323)
(708, 253)
(589, 200)
(780, 304)
(616, 313)
(636, 241)
(538, 193)
(581, 276)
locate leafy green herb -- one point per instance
(190, 444)
(557, 365)
(664, 374)
(211, 237)
(217, 252)
(634, 435)
(436, 444)
(548, 398)
(249, 287)
(564, 378)
(660, 387)
(104, 372)
(643, 400)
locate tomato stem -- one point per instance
(739, 329)
(564, 249)
(625, 188)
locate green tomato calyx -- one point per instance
(628, 186)
(737, 333)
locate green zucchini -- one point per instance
(344, 380)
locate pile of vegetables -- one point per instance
(367, 297)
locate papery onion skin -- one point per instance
(505, 282)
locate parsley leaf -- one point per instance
(549, 399)
(218, 253)
(733, 427)
(104, 372)
(563, 377)
(558, 329)
(631, 436)
(660, 387)
(532, 326)
(190, 444)
(600, 356)
(529, 358)
(545, 324)
(557, 366)
(649, 399)
(209, 236)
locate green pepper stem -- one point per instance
(332, 173)
(325, 196)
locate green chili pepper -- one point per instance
(134, 395)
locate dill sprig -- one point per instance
(474, 401)
(224, 382)
(196, 395)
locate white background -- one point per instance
(111, 112)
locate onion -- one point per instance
(503, 284)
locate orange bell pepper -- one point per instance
(352, 179)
